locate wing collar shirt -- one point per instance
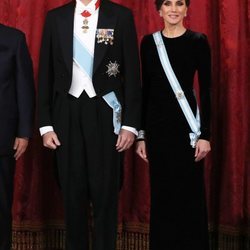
(80, 79)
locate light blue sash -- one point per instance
(193, 122)
(85, 60)
(82, 57)
(112, 101)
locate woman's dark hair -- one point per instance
(158, 3)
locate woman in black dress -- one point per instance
(178, 208)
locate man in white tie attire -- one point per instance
(89, 111)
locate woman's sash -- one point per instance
(193, 122)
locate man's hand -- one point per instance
(125, 140)
(202, 148)
(20, 146)
(50, 140)
(141, 150)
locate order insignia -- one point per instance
(105, 36)
(179, 94)
(113, 69)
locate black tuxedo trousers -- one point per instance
(89, 170)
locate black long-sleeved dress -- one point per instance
(178, 208)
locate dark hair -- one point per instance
(158, 3)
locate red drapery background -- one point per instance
(37, 210)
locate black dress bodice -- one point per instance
(188, 54)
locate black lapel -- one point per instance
(65, 28)
(106, 20)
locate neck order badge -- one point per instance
(87, 14)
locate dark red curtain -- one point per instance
(37, 210)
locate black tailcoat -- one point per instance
(57, 60)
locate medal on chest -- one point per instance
(86, 14)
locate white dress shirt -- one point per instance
(80, 80)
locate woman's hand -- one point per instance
(202, 149)
(141, 150)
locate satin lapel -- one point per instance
(106, 20)
(65, 28)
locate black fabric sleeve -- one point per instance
(132, 88)
(45, 76)
(145, 79)
(204, 77)
(25, 89)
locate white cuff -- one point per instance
(45, 129)
(131, 129)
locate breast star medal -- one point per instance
(113, 69)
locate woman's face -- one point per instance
(173, 11)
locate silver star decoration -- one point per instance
(113, 69)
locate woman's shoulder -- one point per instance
(198, 40)
(199, 43)
(196, 36)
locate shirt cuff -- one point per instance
(131, 129)
(45, 129)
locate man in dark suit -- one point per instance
(89, 86)
(16, 117)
